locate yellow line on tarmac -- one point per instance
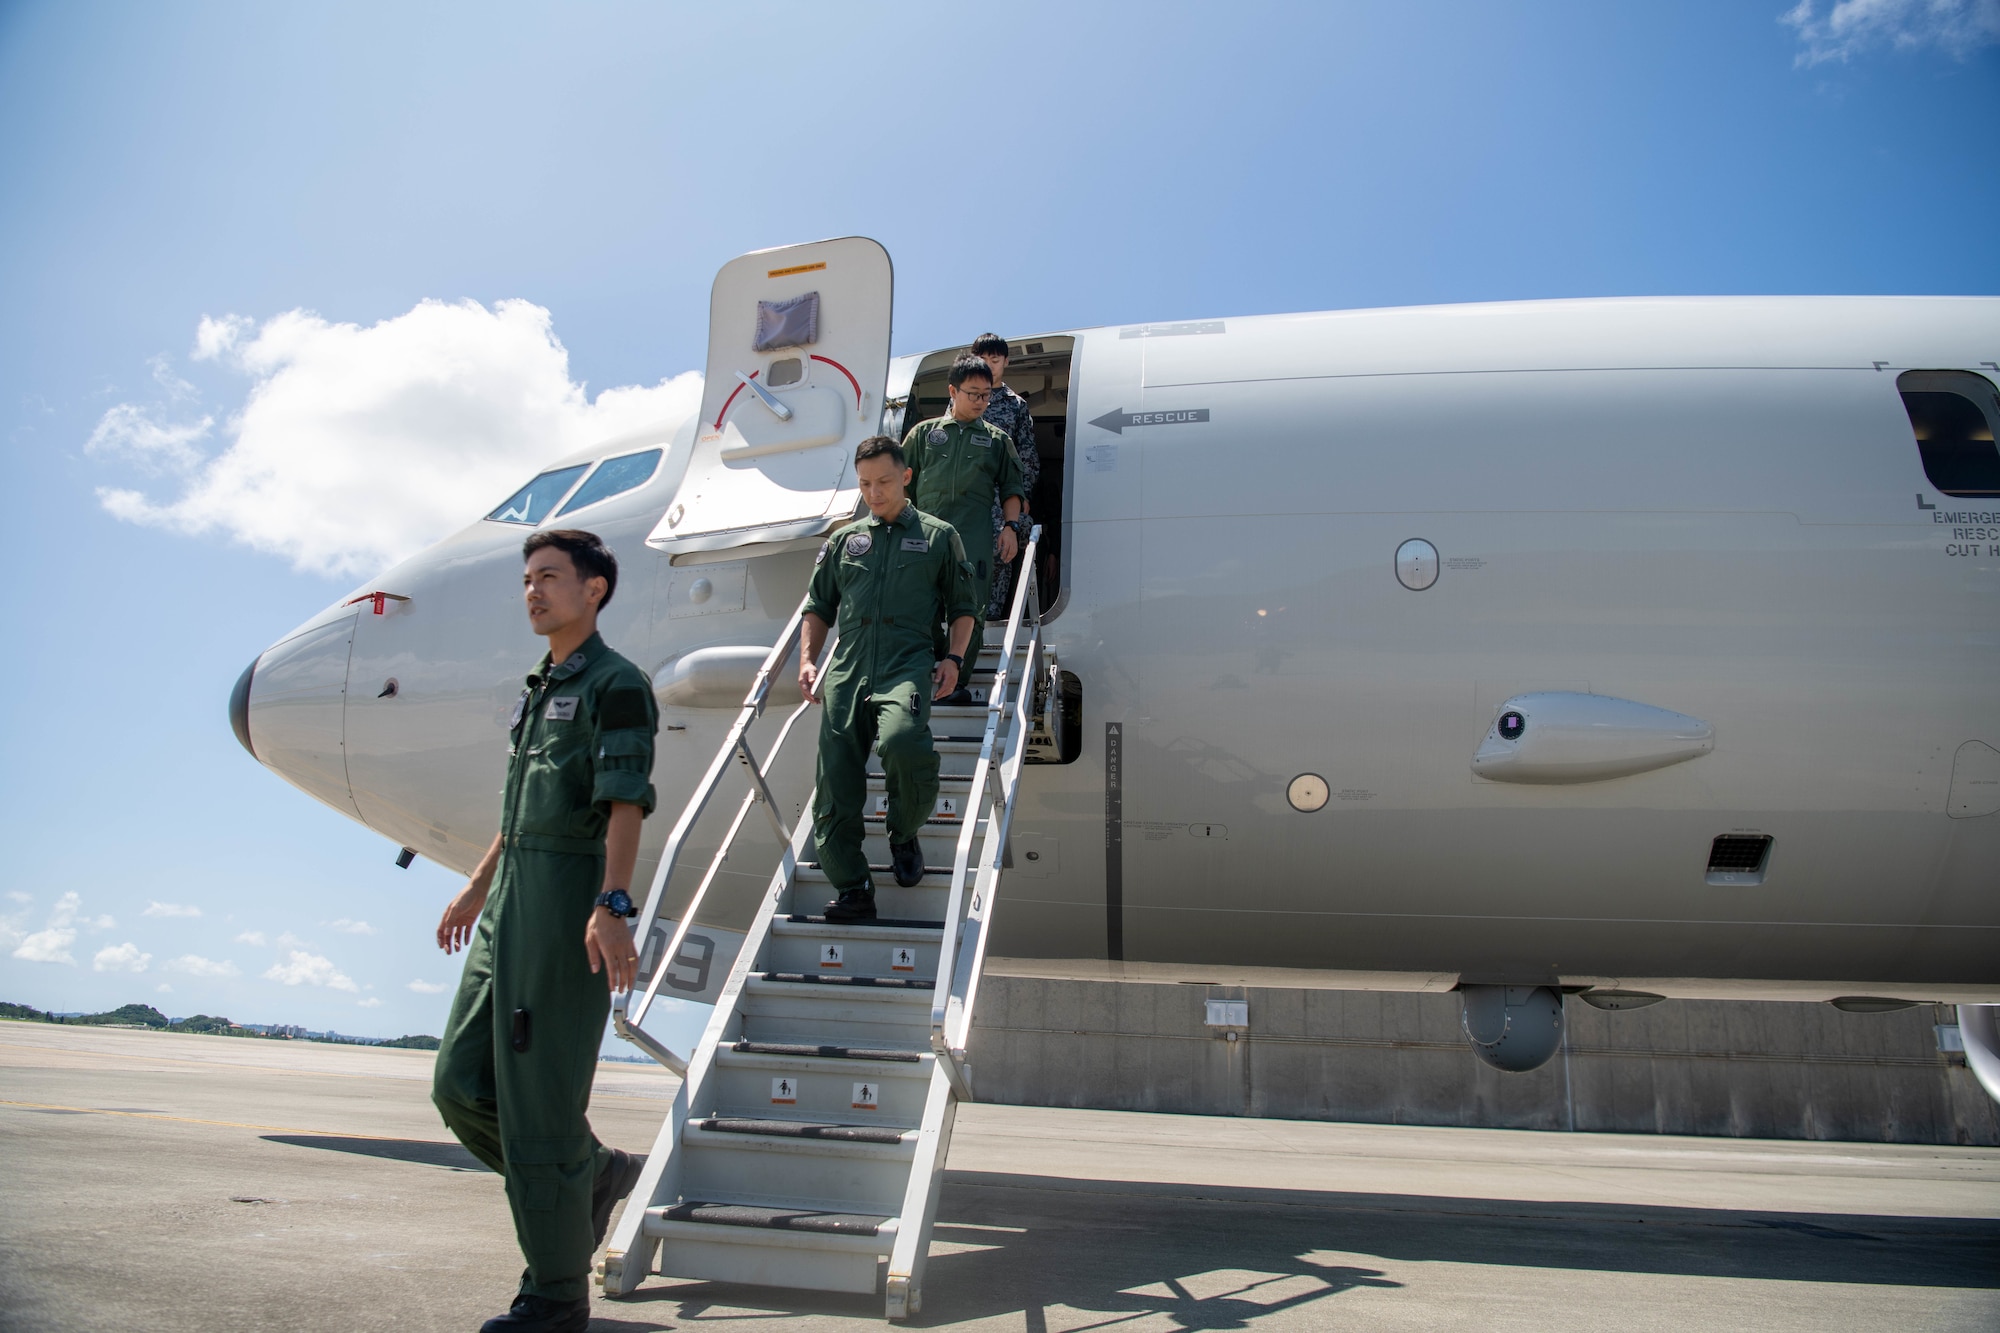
(263, 1069)
(192, 1120)
(184, 1060)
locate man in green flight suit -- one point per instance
(886, 580)
(512, 1078)
(959, 463)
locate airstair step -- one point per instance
(759, 1244)
(810, 873)
(970, 718)
(851, 948)
(814, 927)
(797, 1050)
(800, 1129)
(879, 923)
(817, 1090)
(774, 1219)
(820, 979)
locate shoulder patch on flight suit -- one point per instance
(937, 435)
(562, 709)
(916, 544)
(520, 708)
(859, 544)
(824, 547)
(623, 707)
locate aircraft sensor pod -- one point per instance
(1561, 736)
(1512, 1028)
(718, 677)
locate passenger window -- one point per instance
(614, 476)
(1953, 413)
(532, 503)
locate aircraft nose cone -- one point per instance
(239, 708)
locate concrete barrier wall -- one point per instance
(1759, 1070)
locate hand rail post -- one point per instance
(943, 994)
(735, 742)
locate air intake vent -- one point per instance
(1738, 858)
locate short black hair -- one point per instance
(877, 445)
(586, 551)
(990, 344)
(967, 367)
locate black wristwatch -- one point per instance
(955, 658)
(619, 901)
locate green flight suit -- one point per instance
(959, 470)
(885, 585)
(512, 1078)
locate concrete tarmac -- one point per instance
(167, 1183)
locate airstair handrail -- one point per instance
(945, 997)
(735, 745)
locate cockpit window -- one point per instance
(532, 503)
(615, 476)
(1953, 413)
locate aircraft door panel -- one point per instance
(1104, 459)
(798, 353)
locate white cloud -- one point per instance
(196, 966)
(309, 969)
(215, 339)
(171, 909)
(51, 943)
(458, 404)
(348, 927)
(103, 921)
(124, 957)
(252, 937)
(129, 432)
(429, 987)
(164, 989)
(1848, 28)
(371, 1003)
(20, 897)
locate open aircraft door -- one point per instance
(798, 353)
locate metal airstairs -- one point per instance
(808, 1142)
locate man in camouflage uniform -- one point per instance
(512, 1078)
(1009, 411)
(960, 466)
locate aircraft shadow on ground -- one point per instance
(1220, 1258)
(423, 1152)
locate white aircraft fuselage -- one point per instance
(1687, 578)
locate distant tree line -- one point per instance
(213, 1025)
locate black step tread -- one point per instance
(799, 1129)
(884, 983)
(886, 869)
(801, 919)
(942, 777)
(794, 1049)
(776, 1219)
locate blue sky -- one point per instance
(282, 171)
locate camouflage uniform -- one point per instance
(1009, 411)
